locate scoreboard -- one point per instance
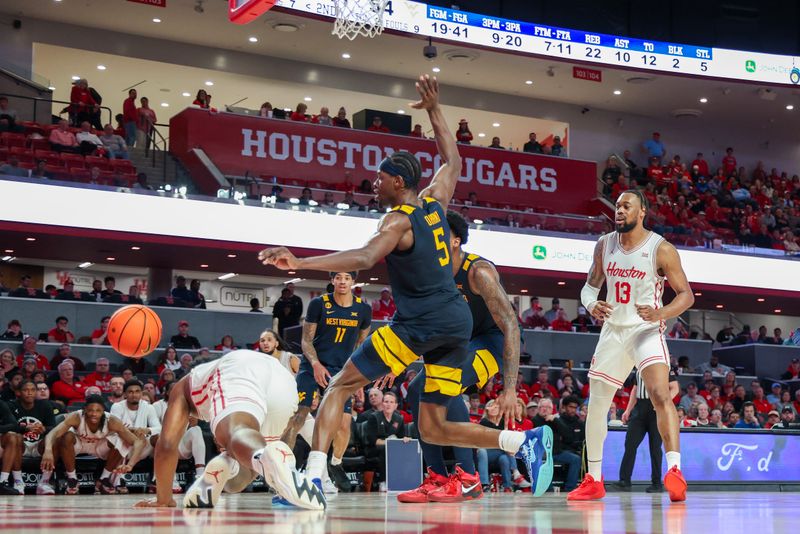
(471, 29)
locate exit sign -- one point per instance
(590, 75)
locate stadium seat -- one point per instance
(75, 161)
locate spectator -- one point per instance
(62, 140)
(145, 124)
(773, 418)
(65, 354)
(552, 313)
(100, 377)
(557, 149)
(341, 119)
(110, 283)
(299, 114)
(729, 162)
(132, 367)
(29, 349)
(165, 378)
(382, 426)
(378, 126)
(141, 182)
(130, 118)
(115, 145)
(82, 103)
(375, 398)
(8, 117)
(762, 405)
(323, 118)
(67, 388)
(180, 291)
(226, 344)
(182, 340)
(537, 320)
(40, 170)
(725, 336)
(787, 418)
(187, 362)
(13, 331)
(562, 434)
(542, 384)
(655, 148)
(463, 135)
(196, 299)
(776, 338)
(168, 360)
(202, 100)
(496, 143)
(774, 398)
(561, 323)
(12, 168)
(583, 322)
(713, 365)
(534, 303)
(117, 385)
(739, 398)
(384, 308)
(266, 111)
(792, 372)
(702, 165)
(100, 335)
(12, 382)
(488, 457)
(749, 419)
(255, 306)
(287, 310)
(61, 333)
(532, 145)
(8, 363)
(32, 419)
(683, 366)
(204, 356)
(690, 397)
(417, 132)
(89, 142)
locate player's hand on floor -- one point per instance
(153, 503)
(648, 313)
(602, 310)
(386, 381)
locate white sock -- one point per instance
(511, 441)
(595, 468)
(600, 397)
(198, 470)
(673, 459)
(46, 477)
(307, 430)
(72, 474)
(335, 460)
(107, 474)
(316, 465)
(16, 475)
(3, 477)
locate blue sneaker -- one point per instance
(280, 502)
(537, 452)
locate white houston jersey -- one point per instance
(632, 278)
(86, 435)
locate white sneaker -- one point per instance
(176, 487)
(19, 486)
(277, 463)
(520, 480)
(205, 490)
(44, 488)
(329, 488)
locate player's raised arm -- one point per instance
(443, 184)
(390, 231)
(669, 263)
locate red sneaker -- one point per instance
(460, 487)
(589, 490)
(675, 484)
(432, 481)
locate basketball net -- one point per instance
(358, 17)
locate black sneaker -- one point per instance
(655, 488)
(339, 477)
(621, 485)
(72, 486)
(104, 487)
(7, 489)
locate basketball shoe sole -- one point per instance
(206, 489)
(277, 463)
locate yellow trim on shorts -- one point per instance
(391, 349)
(445, 380)
(485, 366)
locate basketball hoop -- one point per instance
(358, 17)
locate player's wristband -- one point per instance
(589, 296)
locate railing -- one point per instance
(159, 145)
(49, 102)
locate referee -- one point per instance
(640, 416)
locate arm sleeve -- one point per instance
(314, 311)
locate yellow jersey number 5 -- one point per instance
(438, 234)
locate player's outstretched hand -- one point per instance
(386, 381)
(428, 89)
(648, 313)
(507, 401)
(123, 468)
(153, 503)
(602, 310)
(321, 374)
(280, 257)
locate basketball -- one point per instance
(134, 331)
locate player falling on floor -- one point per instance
(247, 397)
(493, 348)
(335, 324)
(433, 320)
(634, 262)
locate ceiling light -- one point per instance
(703, 100)
(204, 266)
(698, 294)
(719, 306)
(436, 69)
(790, 107)
(253, 39)
(9, 251)
(231, 255)
(76, 78)
(85, 265)
(164, 105)
(226, 276)
(294, 281)
(373, 279)
(562, 283)
(136, 248)
(210, 83)
(777, 310)
(111, 258)
(617, 92)
(496, 124)
(101, 67)
(528, 82)
(30, 239)
(52, 88)
(523, 290)
(291, 272)
(156, 20)
(760, 299)
(481, 134)
(401, 111)
(346, 56)
(307, 99)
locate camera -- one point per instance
(17, 24)
(430, 52)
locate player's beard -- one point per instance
(625, 227)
